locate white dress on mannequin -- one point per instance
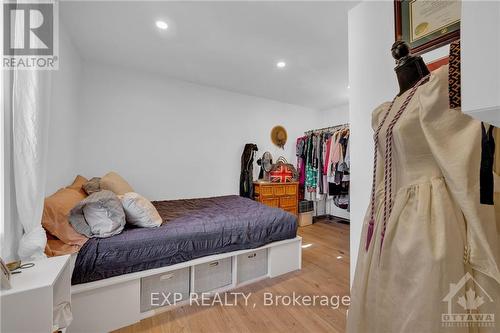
(437, 231)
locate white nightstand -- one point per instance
(29, 305)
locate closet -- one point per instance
(323, 164)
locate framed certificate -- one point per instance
(427, 24)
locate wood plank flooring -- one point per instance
(325, 271)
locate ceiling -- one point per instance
(229, 45)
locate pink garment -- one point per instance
(337, 153)
(334, 156)
(302, 171)
(327, 159)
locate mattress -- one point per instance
(191, 229)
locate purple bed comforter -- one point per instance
(191, 229)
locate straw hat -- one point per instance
(279, 136)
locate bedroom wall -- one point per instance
(173, 139)
(372, 82)
(63, 128)
(335, 115)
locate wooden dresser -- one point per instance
(280, 195)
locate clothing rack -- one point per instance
(327, 205)
(325, 129)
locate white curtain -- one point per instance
(10, 230)
(30, 115)
(30, 106)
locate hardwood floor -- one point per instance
(325, 271)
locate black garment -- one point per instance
(246, 175)
(338, 189)
(301, 147)
(320, 164)
(486, 176)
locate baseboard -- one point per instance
(332, 217)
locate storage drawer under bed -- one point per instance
(213, 275)
(164, 289)
(252, 265)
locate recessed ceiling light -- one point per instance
(162, 25)
(281, 64)
(339, 257)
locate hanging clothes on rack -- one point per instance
(323, 160)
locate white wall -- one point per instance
(372, 81)
(63, 131)
(335, 116)
(172, 139)
(479, 63)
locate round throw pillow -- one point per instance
(139, 211)
(92, 186)
(98, 215)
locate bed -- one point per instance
(191, 229)
(206, 246)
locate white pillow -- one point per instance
(139, 211)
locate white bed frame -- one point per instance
(112, 303)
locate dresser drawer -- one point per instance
(213, 275)
(291, 210)
(252, 265)
(273, 202)
(288, 201)
(279, 190)
(291, 189)
(164, 289)
(265, 191)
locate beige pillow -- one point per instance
(115, 183)
(56, 210)
(139, 211)
(78, 183)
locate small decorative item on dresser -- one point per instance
(283, 172)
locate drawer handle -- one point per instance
(213, 264)
(167, 276)
(253, 255)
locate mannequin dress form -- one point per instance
(410, 69)
(426, 239)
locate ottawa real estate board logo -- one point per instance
(30, 38)
(467, 303)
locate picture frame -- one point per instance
(427, 25)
